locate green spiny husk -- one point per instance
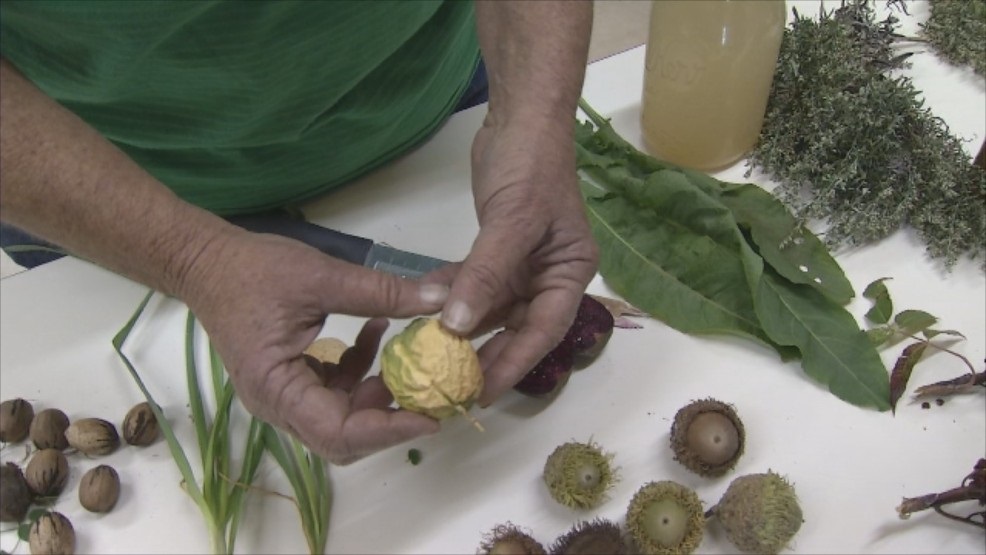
(596, 537)
(760, 513)
(654, 494)
(508, 538)
(570, 466)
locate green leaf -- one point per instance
(674, 272)
(910, 322)
(879, 336)
(24, 531)
(883, 307)
(931, 333)
(790, 249)
(835, 352)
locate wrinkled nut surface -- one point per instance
(48, 429)
(140, 426)
(99, 489)
(47, 473)
(15, 420)
(327, 349)
(430, 370)
(52, 534)
(93, 436)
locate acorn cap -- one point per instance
(665, 518)
(708, 437)
(507, 539)
(579, 475)
(598, 537)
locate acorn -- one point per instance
(596, 537)
(579, 475)
(48, 429)
(759, 512)
(707, 437)
(47, 473)
(15, 496)
(508, 539)
(52, 534)
(15, 420)
(140, 426)
(99, 489)
(93, 436)
(665, 518)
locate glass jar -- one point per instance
(709, 67)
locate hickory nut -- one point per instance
(140, 426)
(93, 436)
(47, 473)
(99, 489)
(15, 420)
(48, 429)
(52, 534)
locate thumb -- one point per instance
(484, 277)
(359, 291)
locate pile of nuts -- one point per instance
(46, 474)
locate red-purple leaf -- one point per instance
(902, 371)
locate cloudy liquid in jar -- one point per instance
(709, 66)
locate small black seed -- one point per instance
(926, 405)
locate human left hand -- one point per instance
(534, 254)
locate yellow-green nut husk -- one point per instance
(579, 475)
(430, 370)
(760, 513)
(665, 518)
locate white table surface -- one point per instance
(851, 466)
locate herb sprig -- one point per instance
(851, 143)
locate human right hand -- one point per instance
(263, 299)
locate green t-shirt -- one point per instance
(245, 106)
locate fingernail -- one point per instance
(457, 317)
(433, 293)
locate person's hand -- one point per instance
(263, 299)
(534, 255)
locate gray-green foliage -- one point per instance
(709, 257)
(850, 141)
(957, 30)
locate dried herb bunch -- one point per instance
(851, 143)
(957, 30)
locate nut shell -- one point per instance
(15, 420)
(52, 534)
(99, 489)
(47, 473)
(48, 429)
(140, 426)
(93, 436)
(430, 370)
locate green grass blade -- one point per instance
(176, 450)
(194, 391)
